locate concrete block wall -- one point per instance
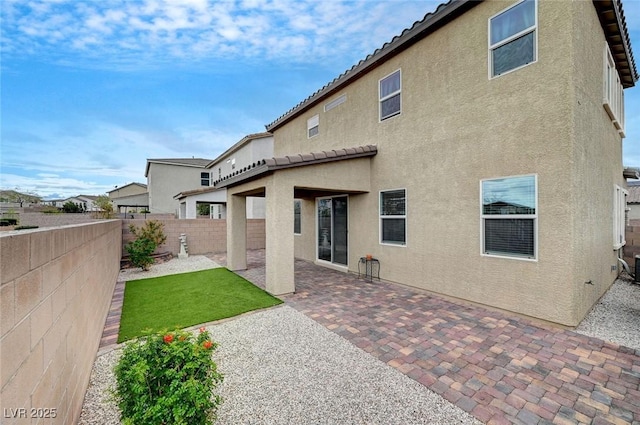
(56, 286)
(204, 235)
(632, 248)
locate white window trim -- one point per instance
(613, 92)
(382, 99)
(381, 217)
(313, 122)
(534, 217)
(619, 216)
(492, 47)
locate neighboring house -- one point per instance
(166, 177)
(237, 158)
(406, 155)
(633, 200)
(132, 197)
(85, 202)
(88, 202)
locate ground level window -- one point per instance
(509, 216)
(296, 216)
(619, 216)
(393, 217)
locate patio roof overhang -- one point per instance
(267, 166)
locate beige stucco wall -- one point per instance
(128, 190)
(56, 289)
(458, 127)
(596, 165)
(165, 181)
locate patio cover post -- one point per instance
(279, 236)
(236, 232)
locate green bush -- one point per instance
(152, 230)
(140, 252)
(26, 226)
(168, 378)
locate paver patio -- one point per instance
(500, 368)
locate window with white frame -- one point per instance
(613, 98)
(313, 126)
(390, 95)
(509, 214)
(204, 179)
(512, 38)
(297, 219)
(619, 216)
(393, 217)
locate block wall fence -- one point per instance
(56, 286)
(204, 235)
(632, 248)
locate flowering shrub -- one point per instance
(168, 378)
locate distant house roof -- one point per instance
(609, 11)
(265, 166)
(184, 162)
(142, 185)
(246, 139)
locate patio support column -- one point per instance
(279, 237)
(236, 232)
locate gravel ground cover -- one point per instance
(616, 317)
(282, 367)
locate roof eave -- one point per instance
(420, 29)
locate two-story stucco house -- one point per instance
(168, 176)
(476, 155)
(238, 157)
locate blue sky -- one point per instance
(91, 89)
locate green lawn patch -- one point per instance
(187, 299)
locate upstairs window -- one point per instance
(619, 216)
(390, 95)
(204, 179)
(313, 126)
(509, 216)
(613, 98)
(393, 217)
(512, 38)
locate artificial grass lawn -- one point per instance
(187, 299)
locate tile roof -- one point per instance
(262, 167)
(609, 12)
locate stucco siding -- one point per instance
(458, 127)
(165, 181)
(596, 164)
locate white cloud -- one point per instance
(147, 33)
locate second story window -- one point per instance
(613, 96)
(204, 179)
(390, 95)
(512, 38)
(313, 126)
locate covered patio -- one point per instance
(280, 181)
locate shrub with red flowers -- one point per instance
(168, 378)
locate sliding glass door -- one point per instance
(332, 216)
